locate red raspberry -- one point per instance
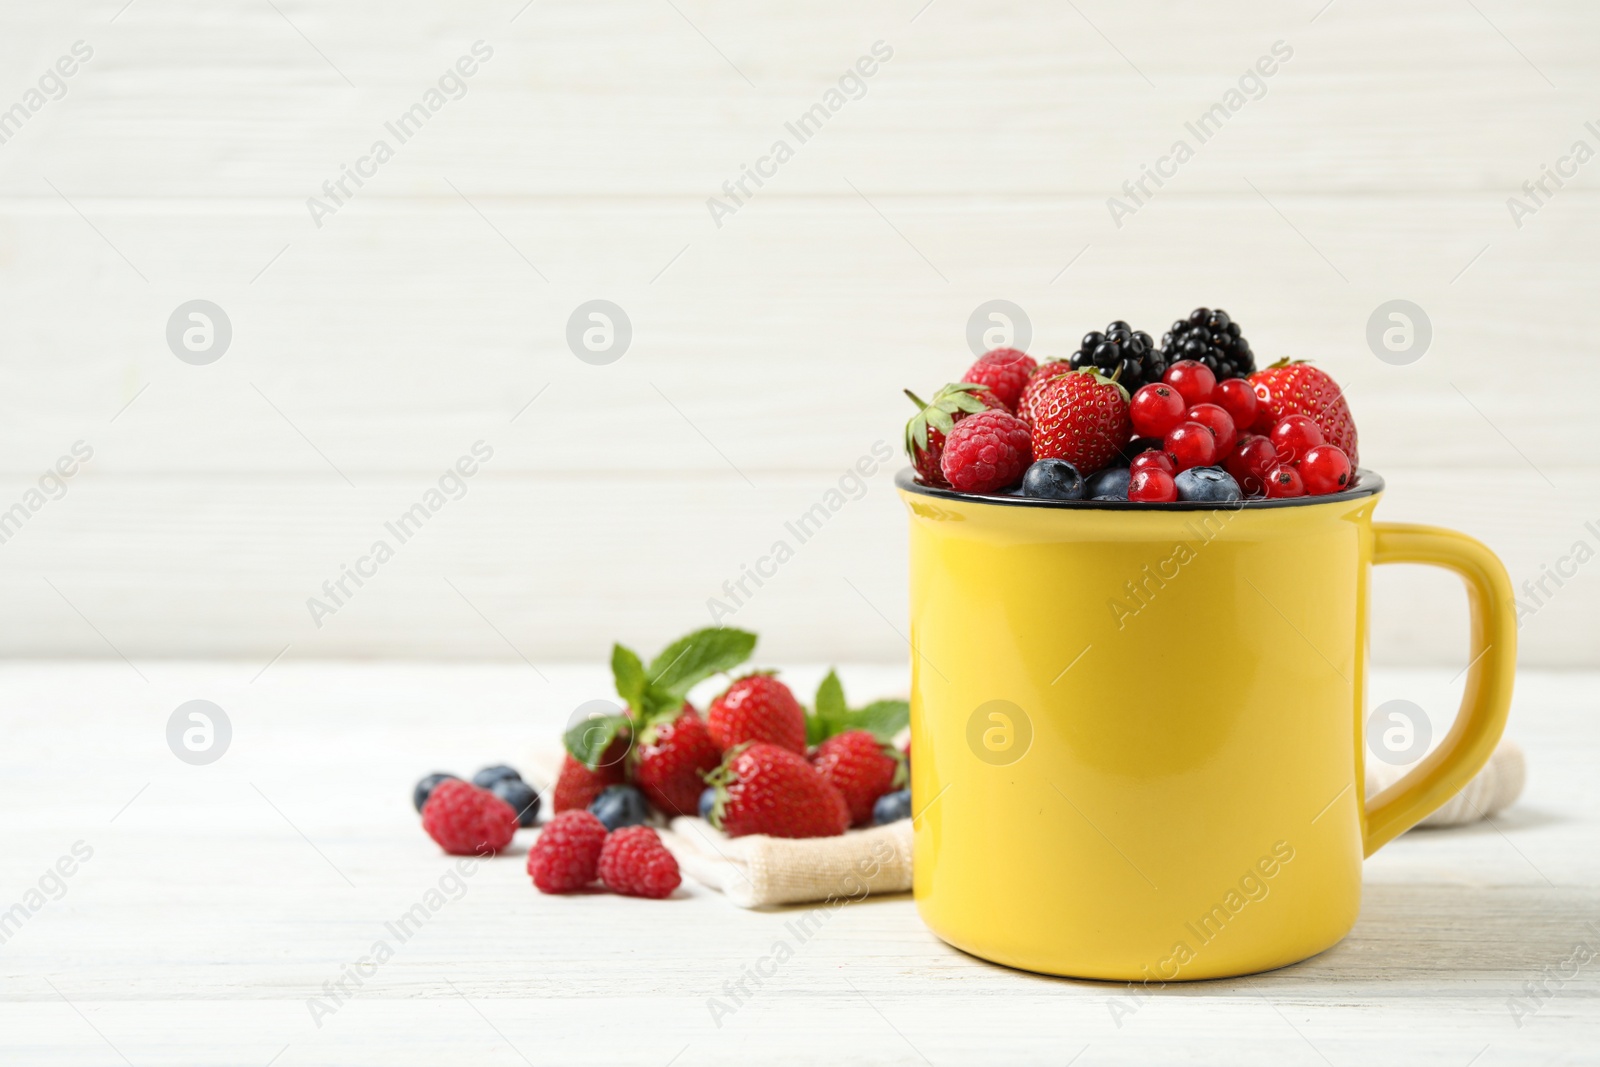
(635, 863)
(566, 857)
(577, 785)
(987, 451)
(1005, 371)
(951, 404)
(466, 820)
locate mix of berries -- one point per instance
(1122, 419)
(757, 763)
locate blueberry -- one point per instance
(1209, 485)
(619, 806)
(1111, 483)
(522, 798)
(892, 807)
(708, 797)
(424, 788)
(490, 775)
(1053, 479)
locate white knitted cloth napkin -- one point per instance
(758, 871)
(761, 871)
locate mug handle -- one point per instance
(1484, 705)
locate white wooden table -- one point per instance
(218, 899)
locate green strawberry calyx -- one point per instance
(1101, 379)
(940, 412)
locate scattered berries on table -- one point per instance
(566, 858)
(1191, 444)
(1053, 479)
(1208, 485)
(926, 431)
(673, 756)
(766, 789)
(757, 707)
(522, 797)
(1156, 408)
(1210, 336)
(861, 768)
(1005, 371)
(1325, 469)
(1284, 481)
(892, 807)
(466, 820)
(1121, 351)
(1152, 485)
(619, 806)
(1289, 388)
(1081, 417)
(577, 785)
(635, 863)
(986, 452)
(1294, 436)
(488, 776)
(425, 786)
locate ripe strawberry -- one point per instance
(1053, 368)
(466, 820)
(861, 768)
(566, 857)
(987, 452)
(757, 707)
(1298, 388)
(925, 433)
(577, 785)
(635, 863)
(1005, 371)
(765, 789)
(672, 754)
(1081, 417)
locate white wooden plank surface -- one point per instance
(222, 897)
(977, 165)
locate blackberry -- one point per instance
(1119, 351)
(1211, 337)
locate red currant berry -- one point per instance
(1239, 400)
(1192, 379)
(1252, 458)
(1155, 409)
(1294, 436)
(1191, 444)
(1152, 459)
(1219, 422)
(1326, 469)
(1283, 481)
(1152, 486)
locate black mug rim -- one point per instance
(1367, 483)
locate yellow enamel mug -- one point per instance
(1137, 728)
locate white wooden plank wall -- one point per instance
(768, 352)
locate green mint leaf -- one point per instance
(589, 739)
(628, 673)
(690, 660)
(882, 718)
(828, 710)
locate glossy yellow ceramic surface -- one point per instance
(1137, 733)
